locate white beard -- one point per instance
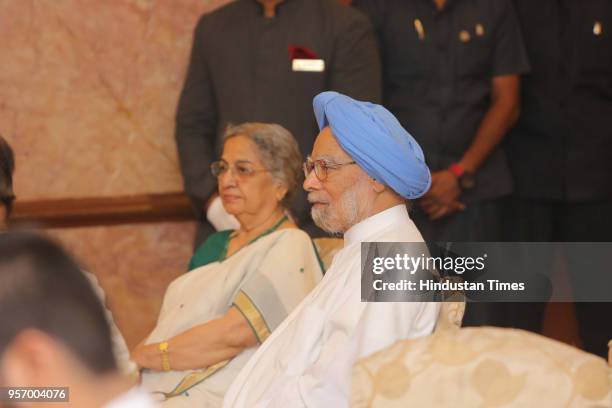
(337, 219)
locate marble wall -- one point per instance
(134, 264)
(88, 90)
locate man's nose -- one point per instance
(312, 183)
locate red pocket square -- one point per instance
(299, 52)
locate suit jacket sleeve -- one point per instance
(196, 125)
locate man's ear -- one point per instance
(27, 359)
(378, 187)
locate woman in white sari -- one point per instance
(245, 282)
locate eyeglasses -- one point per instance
(241, 169)
(321, 167)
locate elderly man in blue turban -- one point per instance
(363, 168)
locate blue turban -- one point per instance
(372, 136)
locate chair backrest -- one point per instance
(327, 248)
(481, 366)
(451, 316)
(452, 310)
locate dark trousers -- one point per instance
(559, 221)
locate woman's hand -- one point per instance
(147, 356)
(201, 346)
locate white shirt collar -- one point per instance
(377, 222)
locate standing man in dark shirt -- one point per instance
(561, 149)
(451, 76)
(265, 60)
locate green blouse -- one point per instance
(212, 250)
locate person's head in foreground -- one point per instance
(258, 173)
(363, 162)
(53, 330)
(7, 167)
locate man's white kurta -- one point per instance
(308, 360)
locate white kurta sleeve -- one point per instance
(380, 325)
(326, 382)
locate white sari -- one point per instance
(265, 281)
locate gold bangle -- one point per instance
(163, 348)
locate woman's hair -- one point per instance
(278, 151)
(7, 167)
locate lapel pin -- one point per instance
(597, 29)
(418, 26)
(479, 30)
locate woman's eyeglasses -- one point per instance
(321, 167)
(240, 169)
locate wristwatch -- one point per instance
(466, 178)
